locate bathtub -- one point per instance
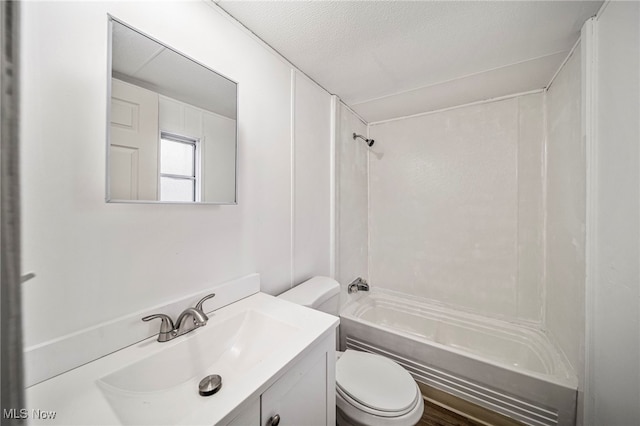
(512, 369)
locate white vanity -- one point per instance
(276, 360)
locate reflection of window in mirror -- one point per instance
(179, 168)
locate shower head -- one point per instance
(367, 141)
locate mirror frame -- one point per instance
(110, 20)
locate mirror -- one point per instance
(172, 125)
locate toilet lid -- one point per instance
(375, 381)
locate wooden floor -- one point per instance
(443, 409)
(434, 415)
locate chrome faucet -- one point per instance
(357, 285)
(169, 331)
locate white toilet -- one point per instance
(371, 390)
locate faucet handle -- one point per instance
(167, 324)
(207, 297)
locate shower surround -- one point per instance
(457, 207)
(479, 211)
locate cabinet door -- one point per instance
(300, 396)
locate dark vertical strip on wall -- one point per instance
(12, 395)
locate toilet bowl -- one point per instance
(371, 390)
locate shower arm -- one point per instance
(369, 142)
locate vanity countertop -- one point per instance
(107, 392)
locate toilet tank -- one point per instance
(321, 293)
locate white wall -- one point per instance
(96, 261)
(565, 212)
(613, 310)
(352, 199)
(456, 207)
(312, 157)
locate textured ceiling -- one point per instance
(368, 51)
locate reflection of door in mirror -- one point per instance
(133, 149)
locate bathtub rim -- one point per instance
(567, 379)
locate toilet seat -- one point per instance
(375, 385)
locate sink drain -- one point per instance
(210, 385)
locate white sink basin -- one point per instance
(163, 388)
